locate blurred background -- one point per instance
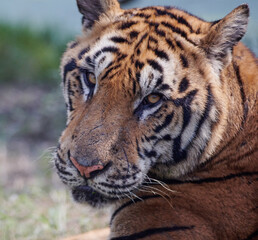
(33, 35)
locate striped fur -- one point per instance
(172, 118)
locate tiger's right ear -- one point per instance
(93, 9)
(224, 35)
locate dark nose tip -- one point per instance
(86, 171)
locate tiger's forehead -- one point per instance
(117, 57)
(146, 45)
(166, 26)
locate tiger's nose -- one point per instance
(86, 171)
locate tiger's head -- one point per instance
(143, 94)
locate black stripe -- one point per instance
(153, 231)
(60, 159)
(155, 65)
(185, 103)
(136, 200)
(70, 92)
(208, 105)
(184, 84)
(205, 115)
(73, 45)
(152, 39)
(184, 22)
(150, 154)
(177, 30)
(83, 52)
(66, 179)
(243, 96)
(252, 236)
(134, 34)
(61, 169)
(184, 61)
(141, 40)
(119, 40)
(69, 88)
(167, 121)
(214, 23)
(142, 15)
(161, 54)
(158, 83)
(134, 87)
(170, 43)
(139, 64)
(159, 32)
(138, 76)
(166, 138)
(152, 24)
(198, 31)
(178, 18)
(164, 87)
(179, 44)
(178, 153)
(127, 25)
(139, 150)
(120, 58)
(110, 70)
(211, 179)
(116, 186)
(105, 49)
(148, 8)
(90, 62)
(70, 66)
(78, 78)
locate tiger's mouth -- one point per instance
(86, 194)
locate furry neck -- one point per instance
(238, 148)
(236, 124)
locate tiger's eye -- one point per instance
(92, 78)
(153, 98)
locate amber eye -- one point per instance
(92, 78)
(153, 98)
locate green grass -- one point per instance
(29, 56)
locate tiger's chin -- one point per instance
(87, 195)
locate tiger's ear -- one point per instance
(224, 35)
(93, 9)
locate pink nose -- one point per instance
(86, 171)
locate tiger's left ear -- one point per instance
(224, 35)
(93, 9)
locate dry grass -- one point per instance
(37, 206)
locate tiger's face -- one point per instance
(142, 96)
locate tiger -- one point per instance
(162, 122)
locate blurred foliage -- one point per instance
(31, 114)
(29, 56)
(31, 108)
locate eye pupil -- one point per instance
(92, 78)
(153, 98)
